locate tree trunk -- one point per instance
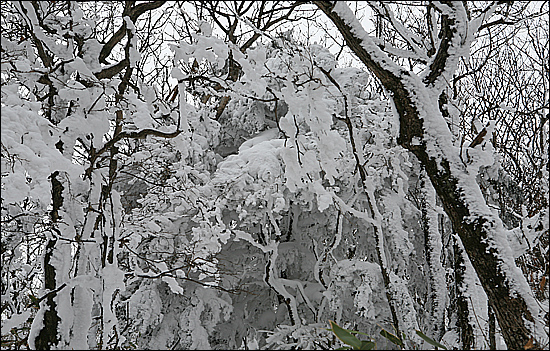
(433, 246)
(463, 312)
(48, 338)
(492, 328)
(477, 231)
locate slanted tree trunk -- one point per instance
(416, 102)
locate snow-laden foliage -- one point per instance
(241, 199)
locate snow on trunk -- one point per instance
(434, 248)
(424, 132)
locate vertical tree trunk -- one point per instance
(48, 338)
(492, 329)
(466, 331)
(433, 247)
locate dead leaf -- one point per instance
(529, 344)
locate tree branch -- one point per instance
(142, 134)
(447, 34)
(133, 13)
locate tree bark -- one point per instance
(463, 312)
(433, 246)
(48, 338)
(476, 231)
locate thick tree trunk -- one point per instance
(48, 337)
(476, 231)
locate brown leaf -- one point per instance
(195, 66)
(529, 344)
(479, 138)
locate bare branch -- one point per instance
(133, 13)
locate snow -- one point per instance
(113, 279)
(477, 300)
(184, 123)
(82, 318)
(239, 234)
(37, 325)
(257, 157)
(134, 55)
(129, 24)
(266, 135)
(152, 226)
(14, 321)
(173, 284)
(439, 145)
(81, 67)
(411, 38)
(211, 203)
(370, 287)
(26, 136)
(344, 12)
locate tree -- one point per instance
(423, 132)
(193, 175)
